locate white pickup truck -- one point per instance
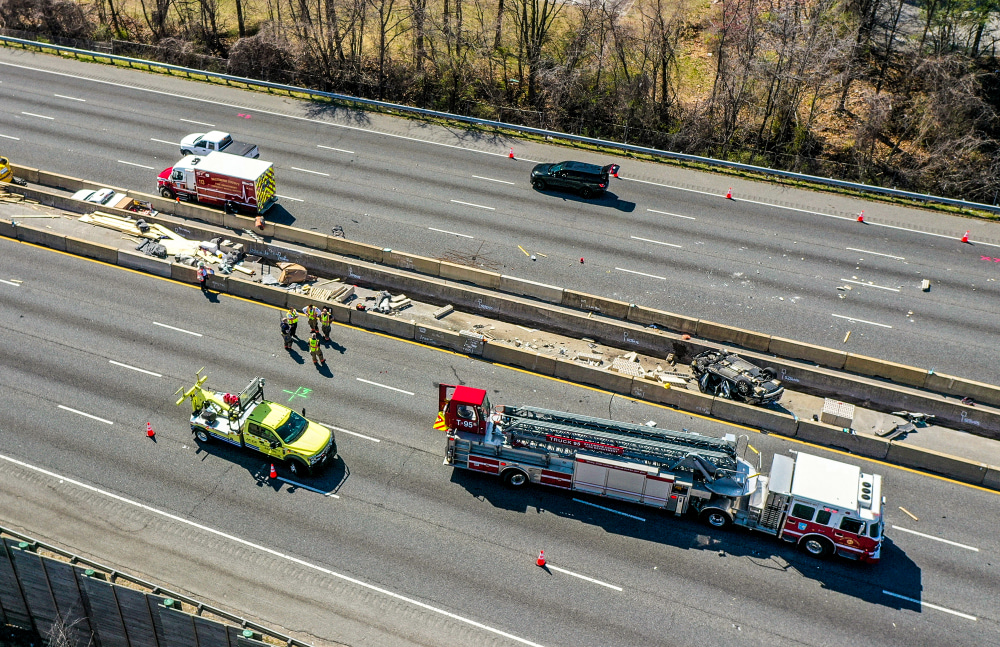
(217, 141)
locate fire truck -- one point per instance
(823, 506)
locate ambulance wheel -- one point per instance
(515, 479)
(167, 193)
(298, 468)
(202, 435)
(818, 547)
(716, 518)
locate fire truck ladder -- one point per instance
(659, 447)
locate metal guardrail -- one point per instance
(385, 105)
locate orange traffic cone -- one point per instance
(541, 558)
(274, 472)
(149, 430)
(511, 156)
(729, 194)
(861, 216)
(965, 238)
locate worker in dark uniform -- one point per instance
(286, 333)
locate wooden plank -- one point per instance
(104, 615)
(69, 601)
(35, 588)
(210, 633)
(178, 627)
(135, 614)
(12, 605)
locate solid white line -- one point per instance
(86, 415)
(285, 197)
(945, 541)
(865, 251)
(624, 514)
(17, 139)
(199, 123)
(584, 577)
(31, 114)
(391, 388)
(196, 334)
(870, 285)
(655, 242)
(862, 321)
(16, 285)
(63, 96)
(141, 370)
(305, 170)
(163, 141)
(675, 215)
(469, 204)
(353, 433)
(306, 487)
(134, 164)
(489, 179)
(274, 553)
(445, 231)
(652, 276)
(932, 606)
(331, 148)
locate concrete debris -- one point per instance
(444, 311)
(627, 366)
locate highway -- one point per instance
(786, 262)
(390, 547)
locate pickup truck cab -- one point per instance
(248, 420)
(217, 141)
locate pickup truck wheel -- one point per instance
(167, 193)
(202, 435)
(297, 468)
(515, 479)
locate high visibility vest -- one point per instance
(324, 318)
(311, 313)
(293, 316)
(313, 345)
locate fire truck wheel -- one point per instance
(297, 468)
(167, 193)
(202, 435)
(716, 518)
(515, 479)
(817, 546)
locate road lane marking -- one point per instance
(865, 251)
(655, 242)
(285, 197)
(163, 141)
(652, 276)
(870, 285)
(583, 577)
(273, 552)
(196, 334)
(198, 123)
(944, 541)
(134, 164)
(331, 148)
(16, 285)
(31, 114)
(17, 139)
(489, 179)
(624, 514)
(305, 170)
(667, 213)
(141, 370)
(63, 96)
(86, 415)
(856, 320)
(353, 433)
(445, 231)
(929, 605)
(391, 388)
(306, 487)
(470, 204)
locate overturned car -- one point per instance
(729, 375)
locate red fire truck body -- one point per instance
(823, 506)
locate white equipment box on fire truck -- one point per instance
(822, 505)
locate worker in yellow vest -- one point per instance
(315, 350)
(292, 316)
(312, 314)
(325, 320)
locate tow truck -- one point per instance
(822, 505)
(248, 420)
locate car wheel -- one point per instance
(818, 547)
(716, 518)
(515, 479)
(538, 184)
(744, 388)
(586, 192)
(167, 193)
(769, 373)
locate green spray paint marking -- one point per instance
(301, 392)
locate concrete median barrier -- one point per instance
(218, 282)
(258, 292)
(591, 303)
(340, 312)
(439, 337)
(992, 477)
(25, 172)
(583, 374)
(757, 417)
(807, 352)
(364, 251)
(183, 273)
(88, 249)
(465, 274)
(526, 288)
(526, 359)
(899, 373)
(929, 460)
(424, 265)
(7, 228)
(688, 400)
(394, 326)
(298, 236)
(39, 236)
(729, 335)
(826, 435)
(667, 320)
(961, 387)
(64, 182)
(137, 261)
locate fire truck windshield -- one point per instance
(293, 428)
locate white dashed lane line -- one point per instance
(865, 251)
(856, 320)
(86, 415)
(489, 179)
(140, 370)
(652, 276)
(391, 388)
(331, 148)
(196, 334)
(197, 123)
(582, 577)
(17, 139)
(305, 170)
(667, 213)
(624, 514)
(943, 541)
(352, 433)
(63, 96)
(16, 285)
(870, 285)
(31, 114)
(134, 164)
(445, 231)
(163, 141)
(655, 242)
(285, 197)
(307, 487)
(471, 204)
(922, 604)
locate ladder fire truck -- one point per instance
(823, 506)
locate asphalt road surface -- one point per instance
(785, 262)
(389, 546)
